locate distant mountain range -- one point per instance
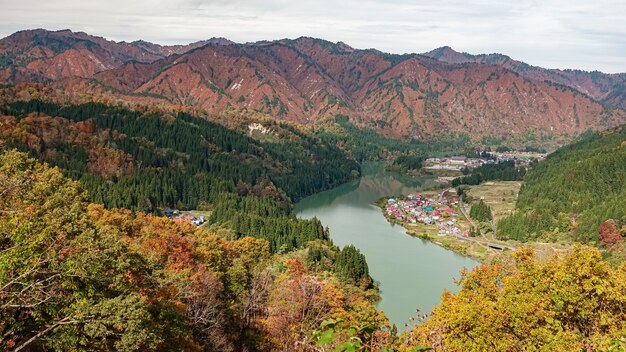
(305, 80)
(610, 89)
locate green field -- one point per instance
(499, 195)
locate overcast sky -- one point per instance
(583, 34)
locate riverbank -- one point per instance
(500, 196)
(428, 214)
(412, 273)
(425, 225)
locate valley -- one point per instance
(399, 263)
(304, 195)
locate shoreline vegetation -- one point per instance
(129, 280)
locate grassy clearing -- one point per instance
(441, 172)
(499, 195)
(197, 213)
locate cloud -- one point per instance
(550, 33)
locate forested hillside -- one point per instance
(572, 303)
(504, 171)
(149, 161)
(578, 191)
(366, 144)
(78, 277)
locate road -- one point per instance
(486, 242)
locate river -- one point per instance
(411, 272)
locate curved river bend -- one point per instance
(411, 272)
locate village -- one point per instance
(179, 216)
(454, 165)
(437, 210)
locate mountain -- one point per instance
(610, 89)
(80, 272)
(307, 80)
(42, 56)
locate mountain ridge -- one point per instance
(607, 88)
(417, 96)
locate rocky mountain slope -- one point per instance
(610, 89)
(42, 56)
(305, 80)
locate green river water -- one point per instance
(411, 272)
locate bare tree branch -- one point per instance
(64, 321)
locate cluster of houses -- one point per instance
(438, 210)
(178, 217)
(453, 163)
(520, 158)
(458, 163)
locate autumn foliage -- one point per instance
(609, 234)
(47, 136)
(570, 303)
(76, 276)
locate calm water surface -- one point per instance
(412, 273)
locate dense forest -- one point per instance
(350, 265)
(78, 277)
(366, 144)
(503, 171)
(407, 163)
(481, 212)
(577, 192)
(530, 149)
(300, 166)
(149, 161)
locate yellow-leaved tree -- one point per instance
(576, 302)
